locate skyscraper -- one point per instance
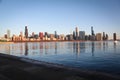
(56, 36)
(92, 34)
(77, 33)
(82, 35)
(8, 34)
(26, 32)
(92, 31)
(107, 37)
(114, 36)
(98, 36)
(103, 35)
(74, 36)
(41, 35)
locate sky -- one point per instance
(60, 15)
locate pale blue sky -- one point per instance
(60, 15)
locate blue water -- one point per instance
(99, 56)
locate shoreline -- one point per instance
(56, 68)
(54, 41)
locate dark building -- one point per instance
(26, 32)
(5, 36)
(74, 36)
(86, 37)
(104, 38)
(81, 35)
(92, 31)
(36, 36)
(92, 34)
(46, 34)
(114, 36)
(70, 37)
(56, 36)
(107, 37)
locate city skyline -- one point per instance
(46, 36)
(61, 16)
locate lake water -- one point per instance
(99, 55)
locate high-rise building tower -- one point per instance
(26, 32)
(114, 36)
(92, 37)
(82, 35)
(103, 35)
(8, 34)
(107, 37)
(92, 31)
(56, 36)
(74, 36)
(77, 33)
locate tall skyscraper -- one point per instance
(56, 36)
(104, 36)
(92, 31)
(74, 36)
(26, 32)
(77, 33)
(107, 37)
(82, 35)
(92, 34)
(114, 36)
(8, 34)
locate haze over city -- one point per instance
(60, 15)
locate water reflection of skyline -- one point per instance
(92, 48)
(26, 49)
(57, 48)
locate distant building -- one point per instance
(26, 32)
(107, 37)
(36, 36)
(103, 38)
(74, 36)
(114, 36)
(70, 37)
(33, 34)
(5, 36)
(21, 34)
(77, 33)
(51, 36)
(56, 36)
(87, 37)
(92, 37)
(82, 35)
(8, 34)
(98, 36)
(61, 37)
(41, 35)
(92, 31)
(46, 36)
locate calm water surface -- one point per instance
(99, 56)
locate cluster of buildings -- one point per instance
(76, 35)
(80, 35)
